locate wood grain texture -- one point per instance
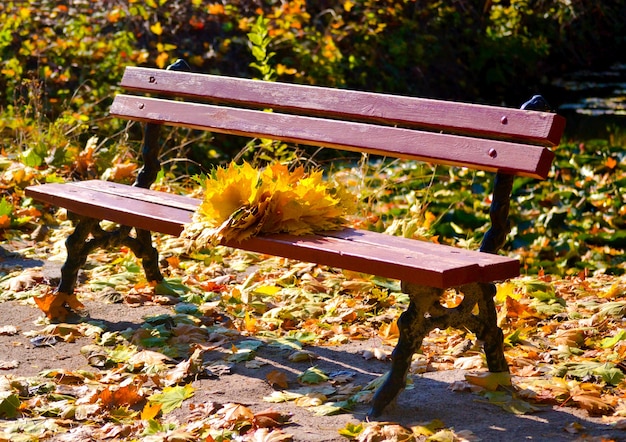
(368, 252)
(471, 119)
(490, 155)
(121, 208)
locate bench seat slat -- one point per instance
(448, 116)
(460, 255)
(152, 215)
(367, 252)
(361, 236)
(490, 155)
(429, 264)
(137, 193)
(424, 269)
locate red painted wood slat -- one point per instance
(119, 208)
(490, 155)
(367, 252)
(438, 115)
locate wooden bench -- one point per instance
(508, 142)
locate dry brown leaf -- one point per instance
(380, 432)
(148, 358)
(516, 309)
(389, 332)
(112, 430)
(312, 284)
(180, 372)
(123, 171)
(594, 405)
(266, 435)
(271, 419)
(24, 281)
(67, 332)
(125, 395)
(231, 414)
(66, 377)
(277, 378)
(8, 365)
(525, 371)
(572, 337)
(469, 363)
(357, 286)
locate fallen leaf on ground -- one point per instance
(8, 365)
(278, 378)
(489, 380)
(58, 305)
(8, 330)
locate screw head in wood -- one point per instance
(493, 153)
(504, 120)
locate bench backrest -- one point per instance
(498, 139)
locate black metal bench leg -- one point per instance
(413, 326)
(149, 255)
(88, 236)
(425, 313)
(492, 336)
(77, 251)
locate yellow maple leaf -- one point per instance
(489, 380)
(150, 411)
(594, 405)
(389, 332)
(250, 323)
(161, 59)
(507, 290)
(226, 192)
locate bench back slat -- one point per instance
(438, 115)
(490, 155)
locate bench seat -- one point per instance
(420, 262)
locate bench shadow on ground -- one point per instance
(430, 397)
(10, 259)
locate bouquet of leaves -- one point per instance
(241, 201)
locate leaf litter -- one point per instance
(569, 354)
(563, 335)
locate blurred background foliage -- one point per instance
(489, 51)
(60, 62)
